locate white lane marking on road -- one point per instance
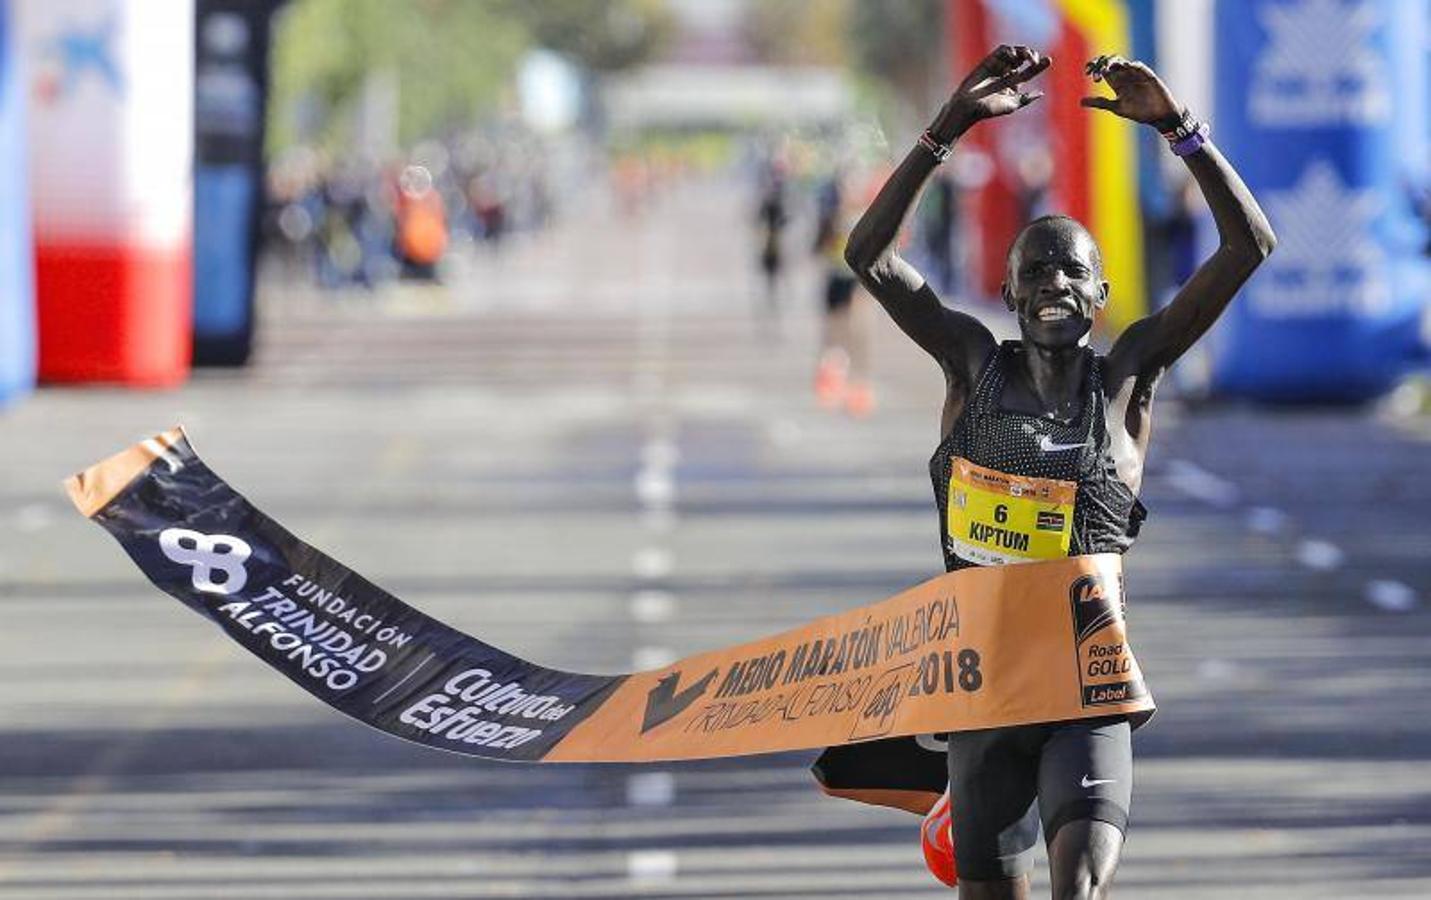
(1406, 400)
(1266, 520)
(659, 519)
(653, 606)
(34, 517)
(404, 679)
(1390, 595)
(648, 866)
(652, 562)
(784, 433)
(1323, 556)
(647, 658)
(1200, 484)
(660, 454)
(647, 384)
(655, 488)
(651, 789)
(96, 779)
(1218, 670)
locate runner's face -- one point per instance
(1055, 284)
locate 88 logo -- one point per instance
(209, 555)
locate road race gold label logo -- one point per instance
(1107, 671)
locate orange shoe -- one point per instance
(829, 383)
(937, 837)
(859, 399)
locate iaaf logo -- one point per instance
(208, 555)
(1318, 67)
(1093, 605)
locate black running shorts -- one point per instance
(1004, 782)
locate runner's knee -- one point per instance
(1087, 887)
(1083, 858)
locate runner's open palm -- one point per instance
(992, 89)
(1140, 93)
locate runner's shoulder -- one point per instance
(1131, 355)
(970, 357)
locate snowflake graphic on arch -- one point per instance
(77, 52)
(1319, 66)
(1328, 262)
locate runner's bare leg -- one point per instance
(1082, 859)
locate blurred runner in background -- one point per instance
(771, 217)
(939, 220)
(842, 376)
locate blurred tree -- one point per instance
(896, 45)
(901, 43)
(799, 32)
(602, 35)
(450, 59)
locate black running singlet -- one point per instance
(1100, 513)
(1002, 462)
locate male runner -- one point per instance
(1044, 407)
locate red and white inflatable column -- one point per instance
(111, 163)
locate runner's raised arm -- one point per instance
(1151, 345)
(960, 343)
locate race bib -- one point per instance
(996, 518)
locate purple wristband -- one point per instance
(1192, 143)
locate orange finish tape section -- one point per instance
(978, 648)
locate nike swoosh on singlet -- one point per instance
(1046, 444)
(1095, 782)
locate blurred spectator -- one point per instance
(842, 375)
(489, 208)
(1035, 182)
(631, 180)
(938, 223)
(1421, 202)
(421, 224)
(353, 222)
(771, 218)
(1180, 231)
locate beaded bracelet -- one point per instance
(931, 143)
(1183, 133)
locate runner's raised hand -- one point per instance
(1140, 94)
(992, 89)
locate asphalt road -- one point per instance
(594, 453)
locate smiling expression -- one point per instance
(1054, 282)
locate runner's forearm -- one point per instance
(1242, 227)
(872, 241)
(1151, 346)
